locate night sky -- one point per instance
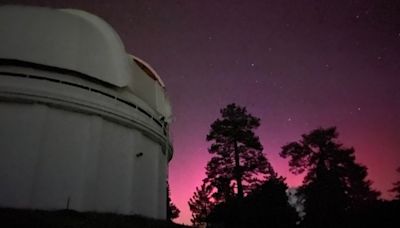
(297, 65)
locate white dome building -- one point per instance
(83, 125)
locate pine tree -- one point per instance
(201, 204)
(237, 159)
(172, 210)
(334, 183)
(396, 187)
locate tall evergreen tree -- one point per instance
(396, 187)
(334, 183)
(201, 204)
(238, 161)
(172, 210)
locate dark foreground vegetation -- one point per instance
(73, 219)
(241, 188)
(241, 214)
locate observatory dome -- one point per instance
(84, 123)
(68, 39)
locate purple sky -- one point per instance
(297, 65)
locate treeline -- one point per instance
(243, 190)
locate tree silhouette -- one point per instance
(265, 206)
(201, 204)
(172, 210)
(237, 159)
(334, 182)
(396, 187)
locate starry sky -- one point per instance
(296, 64)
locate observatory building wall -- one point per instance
(70, 160)
(74, 138)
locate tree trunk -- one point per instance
(238, 172)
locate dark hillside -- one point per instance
(73, 219)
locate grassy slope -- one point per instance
(73, 219)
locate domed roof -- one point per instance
(67, 39)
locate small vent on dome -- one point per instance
(146, 70)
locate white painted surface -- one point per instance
(69, 39)
(67, 140)
(78, 41)
(51, 155)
